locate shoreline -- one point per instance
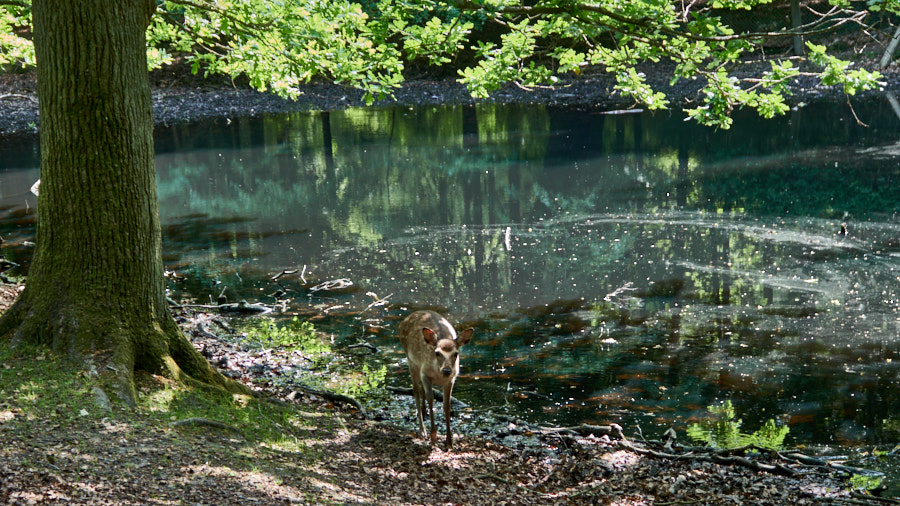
(180, 99)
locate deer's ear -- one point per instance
(464, 336)
(429, 336)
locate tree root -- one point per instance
(812, 461)
(714, 457)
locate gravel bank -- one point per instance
(180, 99)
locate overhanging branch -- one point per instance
(824, 24)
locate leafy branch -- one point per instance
(279, 45)
(826, 23)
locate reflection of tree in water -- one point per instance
(728, 301)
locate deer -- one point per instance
(432, 353)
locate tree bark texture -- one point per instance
(95, 290)
(797, 22)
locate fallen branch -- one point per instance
(584, 429)
(16, 95)
(284, 272)
(332, 285)
(364, 345)
(379, 301)
(235, 307)
(812, 461)
(714, 457)
(336, 397)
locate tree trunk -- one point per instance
(796, 22)
(95, 291)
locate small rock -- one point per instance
(101, 399)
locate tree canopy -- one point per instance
(279, 45)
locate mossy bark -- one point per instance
(95, 290)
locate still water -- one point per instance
(628, 268)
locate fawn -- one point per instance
(432, 351)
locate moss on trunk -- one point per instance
(96, 290)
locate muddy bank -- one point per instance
(180, 97)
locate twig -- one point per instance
(493, 477)
(16, 95)
(627, 287)
(204, 421)
(364, 345)
(379, 301)
(333, 284)
(850, 105)
(617, 112)
(284, 273)
(584, 429)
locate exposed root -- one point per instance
(110, 345)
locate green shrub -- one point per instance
(722, 430)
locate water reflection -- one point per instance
(629, 268)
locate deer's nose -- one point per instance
(447, 371)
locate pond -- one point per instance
(628, 267)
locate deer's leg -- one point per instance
(418, 400)
(448, 389)
(429, 394)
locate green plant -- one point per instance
(366, 382)
(293, 334)
(722, 430)
(865, 482)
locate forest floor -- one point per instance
(57, 446)
(60, 444)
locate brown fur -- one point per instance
(432, 352)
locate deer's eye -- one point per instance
(437, 354)
(455, 355)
